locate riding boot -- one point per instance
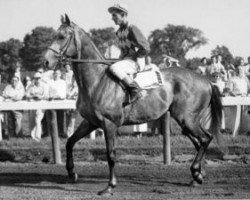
(133, 89)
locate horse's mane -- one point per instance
(90, 41)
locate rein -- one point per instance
(64, 58)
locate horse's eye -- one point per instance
(60, 36)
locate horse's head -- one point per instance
(66, 43)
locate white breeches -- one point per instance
(123, 68)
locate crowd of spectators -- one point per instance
(231, 80)
(44, 84)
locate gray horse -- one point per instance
(190, 98)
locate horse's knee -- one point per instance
(112, 156)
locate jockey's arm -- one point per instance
(140, 42)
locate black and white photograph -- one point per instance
(124, 99)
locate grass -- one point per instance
(177, 141)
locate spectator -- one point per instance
(68, 73)
(47, 75)
(17, 71)
(149, 64)
(57, 86)
(57, 91)
(239, 86)
(248, 67)
(27, 82)
(37, 91)
(72, 89)
(243, 69)
(215, 67)
(202, 68)
(14, 92)
(72, 93)
(217, 80)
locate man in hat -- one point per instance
(36, 91)
(134, 47)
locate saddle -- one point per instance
(149, 78)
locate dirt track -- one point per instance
(225, 180)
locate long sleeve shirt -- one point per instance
(132, 42)
(57, 89)
(37, 91)
(12, 93)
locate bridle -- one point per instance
(63, 58)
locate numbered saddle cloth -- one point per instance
(149, 79)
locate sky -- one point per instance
(223, 22)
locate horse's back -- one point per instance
(191, 92)
(186, 78)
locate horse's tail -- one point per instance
(216, 115)
(216, 109)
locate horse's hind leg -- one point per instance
(84, 129)
(196, 144)
(202, 139)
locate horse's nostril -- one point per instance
(46, 63)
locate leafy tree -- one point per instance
(103, 37)
(193, 63)
(9, 57)
(35, 44)
(175, 41)
(226, 55)
(236, 60)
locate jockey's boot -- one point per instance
(133, 89)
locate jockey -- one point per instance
(134, 47)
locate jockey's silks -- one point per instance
(132, 42)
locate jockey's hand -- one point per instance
(140, 63)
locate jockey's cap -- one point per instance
(119, 7)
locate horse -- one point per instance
(189, 97)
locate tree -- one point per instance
(9, 57)
(35, 44)
(175, 41)
(236, 60)
(103, 37)
(226, 55)
(193, 63)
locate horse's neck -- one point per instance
(88, 75)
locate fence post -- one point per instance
(165, 130)
(55, 139)
(1, 120)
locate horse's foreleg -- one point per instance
(110, 131)
(84, 129)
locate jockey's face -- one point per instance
(119, 18)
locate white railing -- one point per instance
(71, 104)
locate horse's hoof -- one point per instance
(73, 177)
(198, 177)
(203, 173)
(194, 183)
(106, 192)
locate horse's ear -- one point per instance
(67, 20)
(62, 19)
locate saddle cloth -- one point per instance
(149, 79)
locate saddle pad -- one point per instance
(149, 79)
